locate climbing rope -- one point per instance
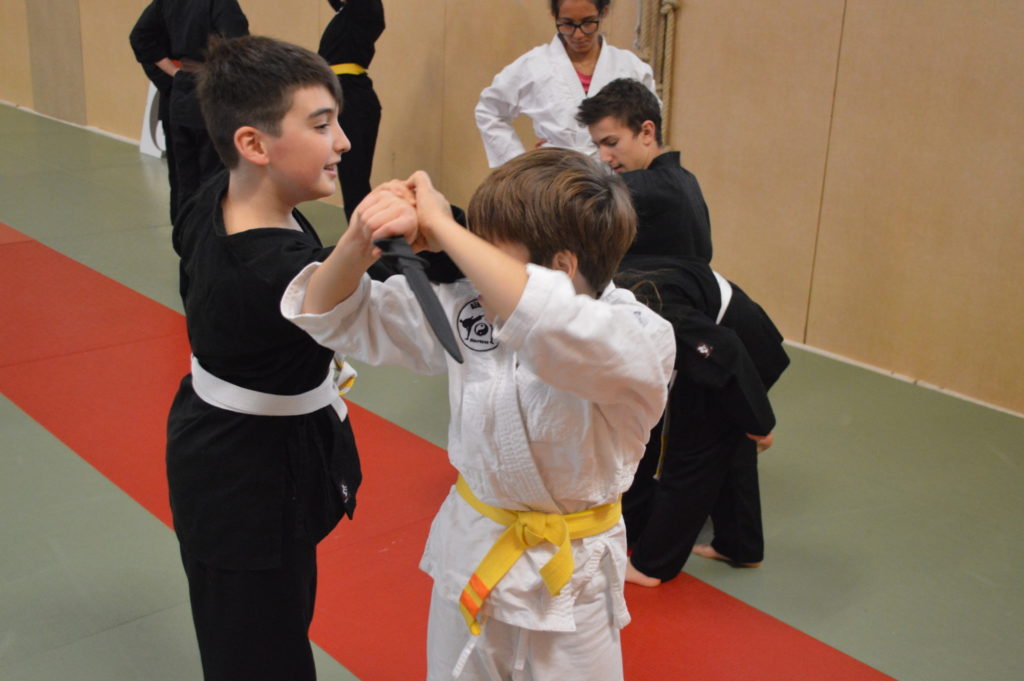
(656, 30)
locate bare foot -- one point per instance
(636, 577)
(707, 551)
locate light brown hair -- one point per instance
(552, 200)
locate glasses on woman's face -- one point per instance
(587, 27)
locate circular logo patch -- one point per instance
(475, 332)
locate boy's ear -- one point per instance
(647, 131)
(565, 261)
(251, 145)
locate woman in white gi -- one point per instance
(549, 82)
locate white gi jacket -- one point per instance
(550, 411)
(543, 85)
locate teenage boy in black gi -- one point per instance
(701, 459)
(625, 123)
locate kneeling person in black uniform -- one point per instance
(701, 459)
(261, 460)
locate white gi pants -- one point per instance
(503, 652)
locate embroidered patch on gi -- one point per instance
(475, 332)
(704, 350)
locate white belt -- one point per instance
(726, 289)
(219, 393)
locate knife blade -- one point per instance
(414, 269)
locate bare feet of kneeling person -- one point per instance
(634, 576)
(707, 551)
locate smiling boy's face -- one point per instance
(304, 157)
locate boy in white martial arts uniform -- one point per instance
(564, 376)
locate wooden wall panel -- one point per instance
(16, 75)
(297, 21)
(115, 85)
(481, 39)
(408, 75)
(55, 49)
(922, 239)
(751, 100)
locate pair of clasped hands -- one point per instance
(412, 209)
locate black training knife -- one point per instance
(413, 267)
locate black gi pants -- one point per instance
(360, 120)
(253, 625)
(192, 158)
(709, 468)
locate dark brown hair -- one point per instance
(552, 200)
(250, 81)
(601, 6)
(628, 101)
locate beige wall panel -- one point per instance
(408, 75)
(922, 239)
(115, 85)
(55, 46)
(621, 26)
(751, 99)
(482, 38)
(297, 21)
(16, 75)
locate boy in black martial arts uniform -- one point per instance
(348, 46)
(172, 35)
(624, 119)
(261, 461)
(704, 461)
(718, 419)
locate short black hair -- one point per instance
(627, 100)
(250, 81)
(601, 6)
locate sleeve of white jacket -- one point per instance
(380, 324)
(647, 78)
(614, 352)
(497, 108)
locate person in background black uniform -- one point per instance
(162, 82)
(261, 460)
(172, 35)
(728, 354)
(624, 119)
(348, 46)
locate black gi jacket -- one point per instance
(181, 29)
(184, 27)
(351, 34)
(240, 484)
(738, 360)
(673, 218)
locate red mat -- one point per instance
(97, 365)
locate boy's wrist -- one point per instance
(437, 232)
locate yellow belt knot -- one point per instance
(526, 529)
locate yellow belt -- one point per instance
(349, 69)
(526, 529)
